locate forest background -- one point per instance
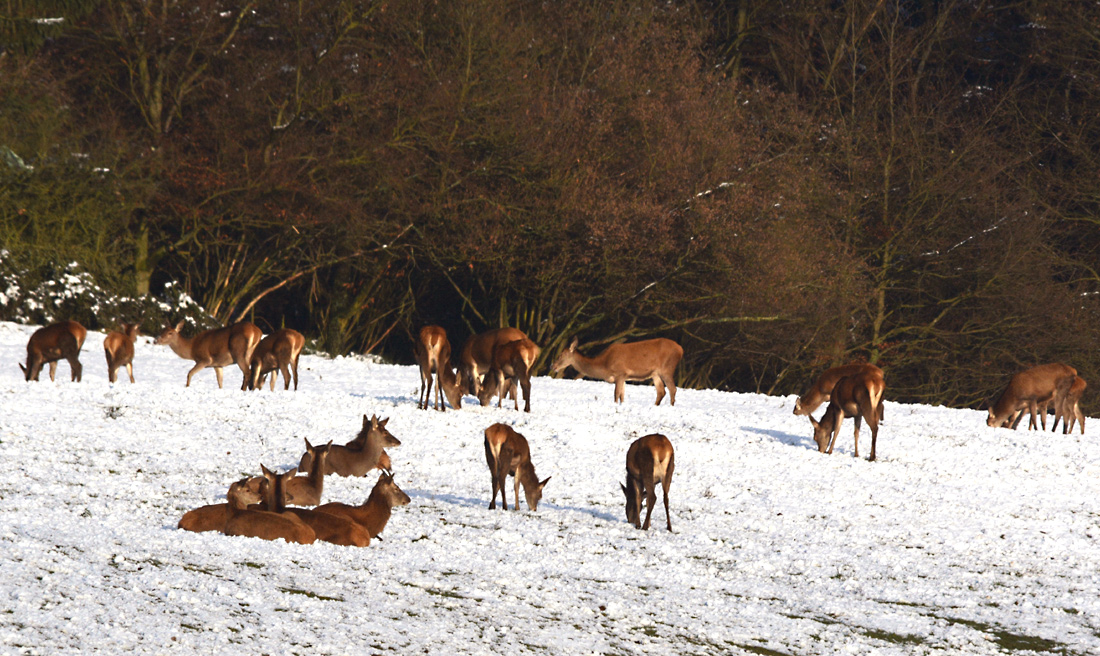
(779, 185)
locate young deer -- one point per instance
(375, 512)
(477, 354)
(1066, 407)
(118, 347)
(1028, 390)
(265, 524)
(508, 453)
(306, 490)
(216, 348)
(649, 460)
(214, 516)
(823, 387)
(327, 528)
(360, 455)
(278, 352)
(654, 359)
(858, 396)
(59, 341)
(511, 362)
(433, 354)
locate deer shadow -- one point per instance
(785, 438)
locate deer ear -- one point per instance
(22, 368)
(329, 444)
(292, 472)
(179, 326)
(366, 421)
(267, 472)
(573, 345)
(309, 447)
(543, 484)
(813, 421)
(382, 423)
(624, 489)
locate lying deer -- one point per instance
(306, 490)
(649, 460)
(360, 455)
(278, 352)
(654, 359)
(508, 453)
(433, 354)
(264, 524)
(215, 348)
(823, 387)
(119, 349)
(477, 354)
(59, 341)
(326, 527)
(375, 512)
(1028, 390)
(214, 516)
(858, 396)
(511, 362)
(1066, 407)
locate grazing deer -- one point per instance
(823, 387)
(1066, 407)
(119, 349)
(1028, 390)
(306, 490)
(508, 453)
(265, 524)
(59, 341)
(278, 352)
(477, 354)
(360, 455)
(858, 396)
(654, 359)
(433, 354)
(375, 513)
(649, 460)
(214, 516)
(215, 348)
(511, 362)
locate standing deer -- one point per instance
(511, 361)
(1066, 407)
(306, 490)
(433, 354)
(360, 455)
(215, 348)
(823, 387)
(649, 460)
(654, 359)
(858, 396)
(59, 341)
(265, 524)
(477, 354)
(1028, 390)
(118, 347)
(278, 352)
(508, 453)
(214, 516)
(375, 513)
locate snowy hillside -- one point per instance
(959, 539)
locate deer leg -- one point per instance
(650, 501)
(874, 438)
(620, 389)
(526, 383)
(53, 369)
(659, 384)
(665, 483)
(77, 370)
(285, 370)
(218, 373)
(1032, 424)
(515, 496)
(835, 431)
(294, 366)
(130, 370)
(857, 434)
(199, 366)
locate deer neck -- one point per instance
(525, 474)
(375, 513)
(592, 367)
(182, 346)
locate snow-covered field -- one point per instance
(959, 539)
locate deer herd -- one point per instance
(496, 363)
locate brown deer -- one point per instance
(508, 453)
(823, 387)
(59, 341)
(265, 524)
(278, 352)
(119, 349)
(654, 359)
(477, 354)
(375, 513)
(433, 354)
(326, 527)
(858, 396)
(215, 348)
(1028, 390)
(213, 517)
(1066, 407)
(306, 490)
(649, 460)
(511, 362)
(360, 455)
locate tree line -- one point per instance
(779, 185)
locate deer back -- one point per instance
(375, 512)
(62, 340)
(1034, 385)
(822, 388)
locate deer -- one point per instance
(265, 524)
(118, 347)
(1066, 407)
(326, 527)
(58, 341)
(508, 453)
(649, 460)
(511, 361)
(477, 354)
(360, 455)
(278, 352)
(654, 359)
(823, 387)
(1028, 390)
(215, 348)
(214, 516)
(858, 395)
(375, 512)
(306, 490)
(433, 354)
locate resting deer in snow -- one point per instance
(306, 490)
(477, 354)
(375, 513)
(214, 516)
(1066, 407)
(858, 396)
(59, 341)
(1028, 390)
(433, 354)
(649, 460)
(215, 348)
(278, 352)
(654, 359)
(511, 362)
(508, 453)
(265, 524)
(360, 455)
(326, 527)
(118, 347)
(823, 387)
